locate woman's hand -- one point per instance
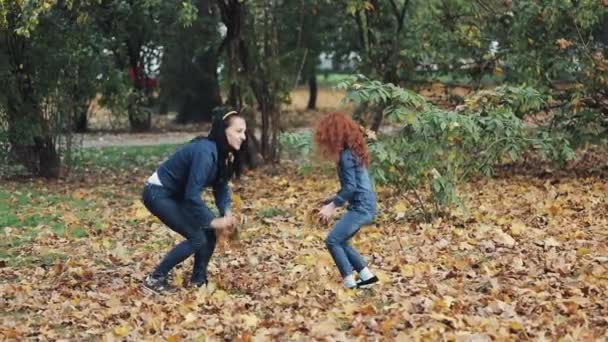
(327, 211)
(223, 222)
(240, 219)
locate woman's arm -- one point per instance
(223, 202)
(200, 167)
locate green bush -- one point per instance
(297, 146)
(434, 150)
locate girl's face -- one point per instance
(235, 133)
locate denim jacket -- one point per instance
(356, 186)
(190, 170)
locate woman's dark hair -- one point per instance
(229, 160)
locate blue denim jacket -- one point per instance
(356, 186)
(190, 170)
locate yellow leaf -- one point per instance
(383, 277)
(237, 201)
(518, 228)
(389, 324)
(120, 252)
(122, 330)
(553, 209)
(190, 317)
(326, 328)
(503, 238)
(583, 251)
(516, 326)
(220, 294)
(174, 338)
(250, 320)
(345, 295)
(139, 211)
(367, 310)
(70, 219)
(407, 271)
(80, 194)
(400, 207)
(350, 308)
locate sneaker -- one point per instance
(363, 284)
(157, 285)
(197, 284)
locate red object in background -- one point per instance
(148, 83)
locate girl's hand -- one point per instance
(327, 211)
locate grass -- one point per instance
(25, 212)
(123, 157)
(272, 212)
(28, 208)
(332, 79)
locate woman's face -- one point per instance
(236, 132)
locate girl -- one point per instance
(340, 139)
(173, 194)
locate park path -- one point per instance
(133, 139)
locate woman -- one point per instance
(340, 139)
(173, 194)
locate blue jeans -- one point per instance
(200, 242)
(344, 255)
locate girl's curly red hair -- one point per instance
(337, 131)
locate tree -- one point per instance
(190, 63)
(381, 29)
(48, 61)
(256, 57)
(557, 46)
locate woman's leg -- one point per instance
(202, 258)
(168, 210)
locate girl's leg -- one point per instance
(337, 242)
(355, 259)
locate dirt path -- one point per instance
(133, 139)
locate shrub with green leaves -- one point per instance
(297, 146)
(433, 150)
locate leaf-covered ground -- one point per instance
(526, 258)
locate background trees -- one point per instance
(144, 56)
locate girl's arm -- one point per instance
(347, 173)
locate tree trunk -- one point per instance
(139, 120)
(312, 86)
(37, 153)
(377, 119)
(252, 153)
(257, 70)
(32, 144)
(204, 90)
(81, 123)
(80, 118)
(49, 161)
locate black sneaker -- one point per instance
(363, 284)
(197, 284)
(158, 284)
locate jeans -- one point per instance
(200, 242)
(344, 255)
